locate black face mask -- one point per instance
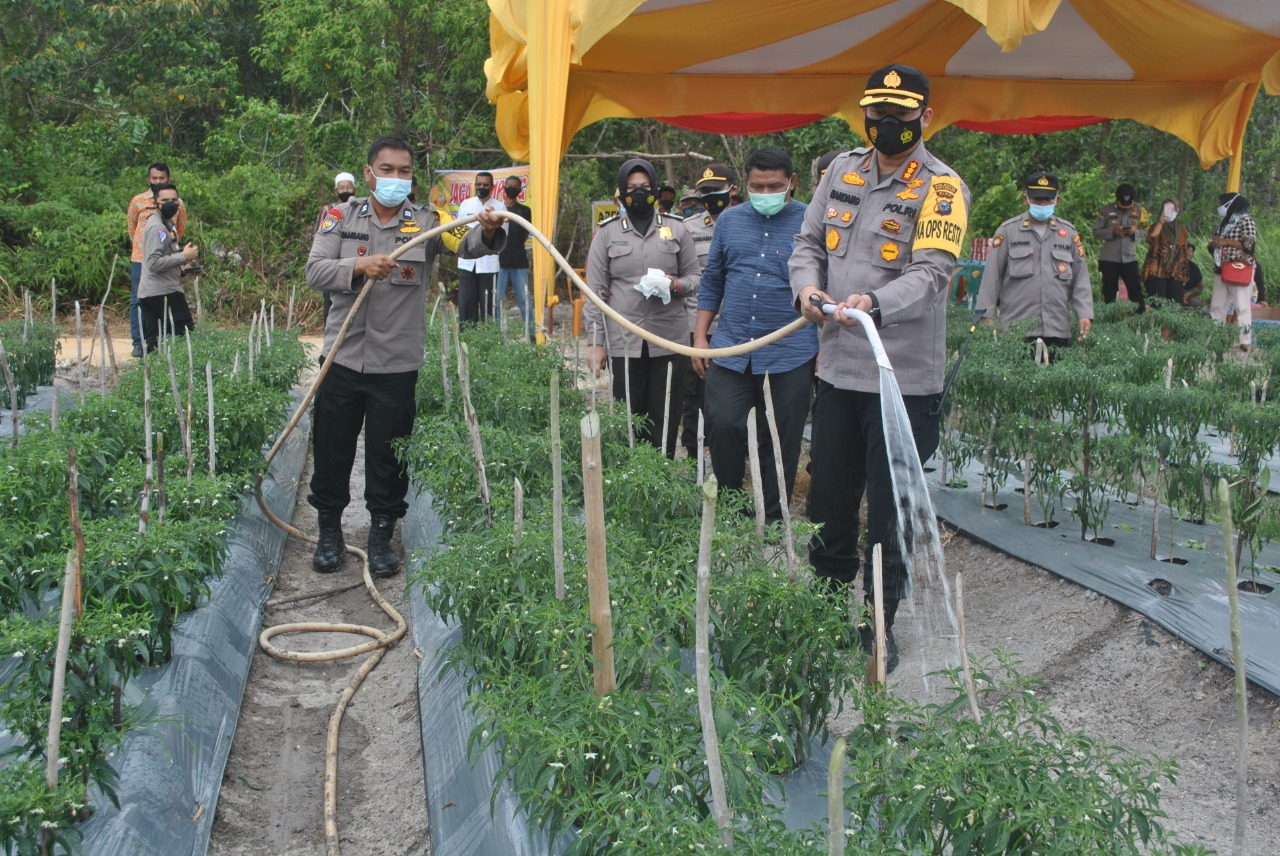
(483, 192)
(892, 136)
(638, 203)
(344, 196)
(716, 202)
(512, 192)
(155, 188)
(168, 209)
(666, 205)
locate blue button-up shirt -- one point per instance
(747, 282)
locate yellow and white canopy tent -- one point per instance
(1189, 67)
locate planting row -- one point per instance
(626, 771)
(30, 350)
(1123, 413)
(152, 537)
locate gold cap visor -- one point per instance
(899, 97)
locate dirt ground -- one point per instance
(1108, 671)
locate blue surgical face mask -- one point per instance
(768, 204)
(1040, 212)
(392, 192)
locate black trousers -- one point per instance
(178, 321)
(849, 461)
(475, 295)
(694, 398)
(384, 405)
(730, 397)
(648, 391)
(1169, 289)
(1112, 273)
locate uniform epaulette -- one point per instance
(673, 215)
(608, 220)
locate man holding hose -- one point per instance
(881, 235)
(372, 380)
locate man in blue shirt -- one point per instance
(746, 282)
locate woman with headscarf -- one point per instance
(1165, 270)
(643, 263)
(1234, 241)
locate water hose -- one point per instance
(380, 641)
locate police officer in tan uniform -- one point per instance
(161, 300)
(1119, 227)
(1037, 269)
(624, 249)
(374, 375)
(882, 234)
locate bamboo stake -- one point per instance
(55, 404)
(144, 510)
(519, 508)
(161, 499)
(53, 301)
(199, 305)
(26, 314)
(608, 354)
(271, 326)
(557, 486)
(102, 356)
(473, 431)
(1026, 487)
(592, 376)
(253, 325)
(431, 322)
(626, 384)
(666, 410)
(293, 293)
(79, 355)
(757, 485)
(213, 451)
(111, 349)
(877, 578)
(835, 798)
(235, 366)
(702, 458)
(187, 430)
(177, 399)
(13, 394)
(69, 582)
(444, 358)
(970, 688)
(457, 339)
(784, 495)
(603, 676)
(73, 504)
(702, 668)
(1237, 660)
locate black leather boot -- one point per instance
(331, 547)
(867, 641)
(383, 561)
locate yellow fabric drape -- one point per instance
(1008, 23)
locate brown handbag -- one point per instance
(1237, 273)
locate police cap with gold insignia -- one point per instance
(715, 176)
(896, 84)
(1043, 185)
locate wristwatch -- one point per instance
(875, 308)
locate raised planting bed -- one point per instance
(625, 769)
(137, 581)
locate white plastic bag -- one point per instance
(655, 284)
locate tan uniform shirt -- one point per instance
(620, 255)
(701, 227)
(898, 238)
(1029, 275)
(1125, 247)
(162, 258)
(388, 334)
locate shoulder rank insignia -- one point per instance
(912, 185)
(910, 170)
(853, 178)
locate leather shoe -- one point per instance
(331, 547)
(383, 561)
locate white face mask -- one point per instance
(1222, 211)
(1170, 213)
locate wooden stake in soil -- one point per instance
(253, 327)
(1237, 661)
(473, 430)
(53, 301)
(702, 666)
(13, 394)
(702, 458)
(79, 355)
(604, 677)
(666, 411)
(757, 484)
(878, 674)
(444, 357)
(518, 489)
(288, 317)
(102, 357)
(835, 798)
(144, 509)
(73, 504)
(970, 688)
(173, 388)
(187, 427)
(784, 495)
(557, 487)
(161, 499)
(69, 583)
(213, 452)
(199, 305)
(626, 385)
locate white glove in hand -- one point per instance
(655, 284)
